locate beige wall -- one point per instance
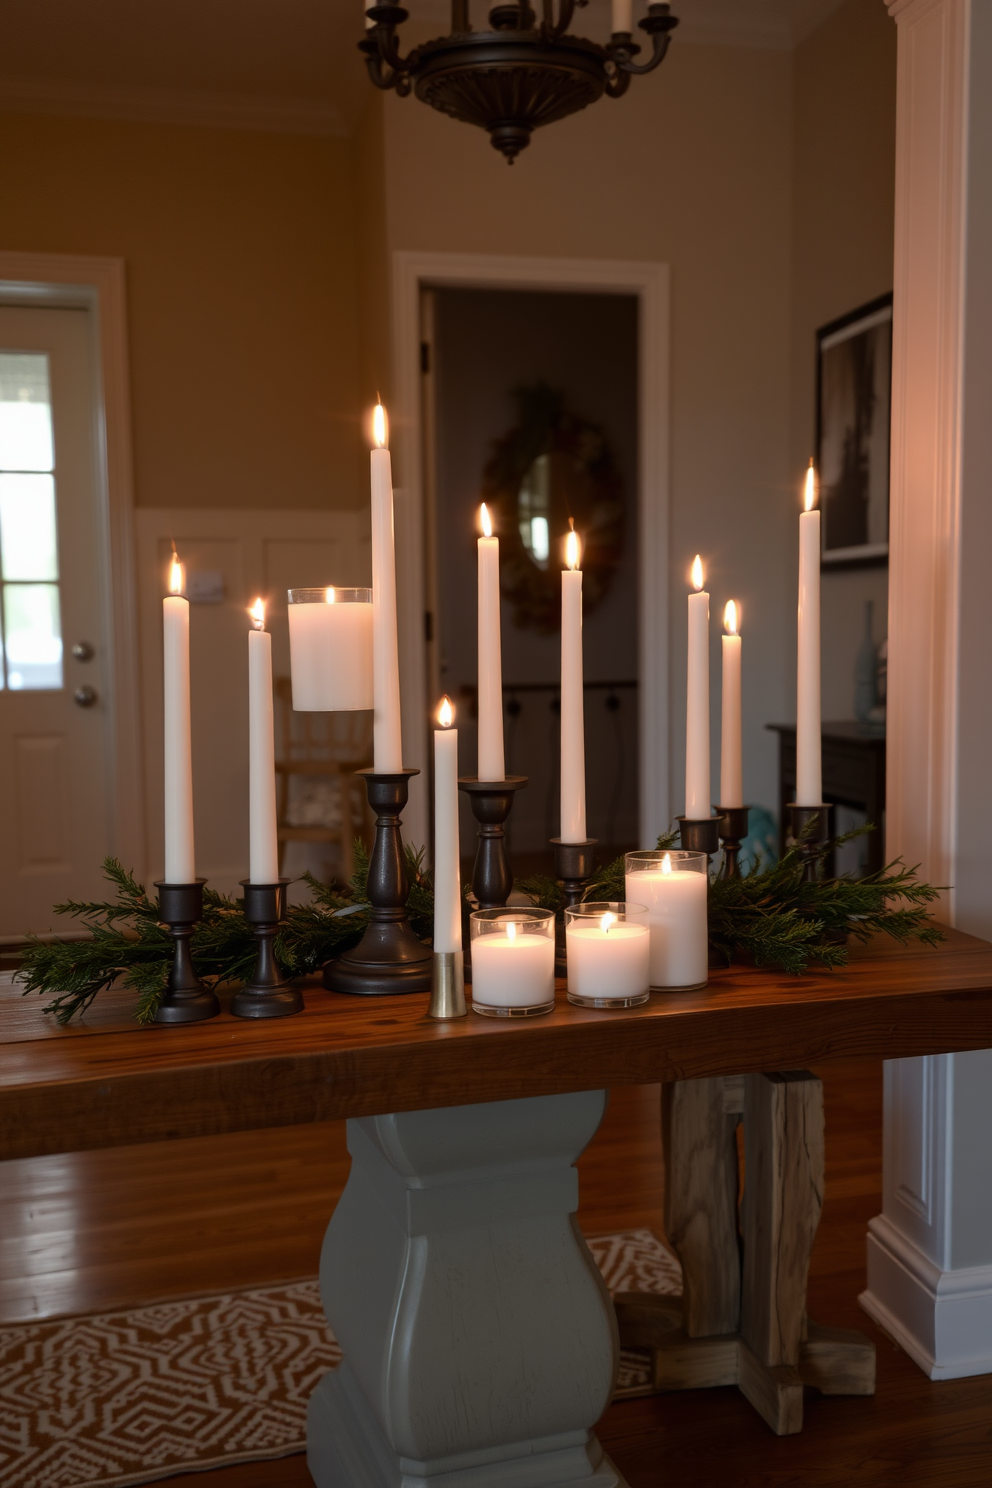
(692, 168)
(241, 254)
(843, 214)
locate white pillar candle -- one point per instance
(607, 958)
(573, 743)
(731, 766)
(623, 16)
(513, 969)
(809, 782)
(491, 764)
(179, 855)
(697, 701)
(330, 649)
(263, 841)
(387, 747)
(676, 904)
(447, 878)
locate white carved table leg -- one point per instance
(479, 1341)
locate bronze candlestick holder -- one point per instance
(267, 995)
(389, 958)
(186, 999)
(733, 829)
(819, 833)
(699, 834)
(491, 801)
(573, 868)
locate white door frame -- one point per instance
(650, 283)
(97, 285)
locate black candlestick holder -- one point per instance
(389, 958)
(491, 800)
(699, 834)
(819, 833)
(186, 999)
(268, 994)
(574, 868)
(733, 829)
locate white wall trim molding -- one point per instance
(943, 1319)
(650, 283)
(274, 115)
(98, 285)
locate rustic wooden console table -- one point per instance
(478, 1337)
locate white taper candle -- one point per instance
(263, 840)
(731, 765)
(623, 16)
(387, 746)
(809, 780)
(491, 764)
(179, 853)
(697, 702)
(447, 877)
(573, 745)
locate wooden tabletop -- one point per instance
(105, 1082)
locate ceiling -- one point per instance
(278, 64)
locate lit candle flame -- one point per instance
(380, 426)
(731, 617)
(697, 572)
(485, 521)
(176, 576)
(809, 492)
(257, 613)
(511, 931)
(446, 712)
(330, 595)
(606, 921)
(572, 548)
(666, 863)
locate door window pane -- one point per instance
(25, 412)
(33, 635)
(27, 527)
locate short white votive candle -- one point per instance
(513, 962)
(607, 946)
(673, 885)
(330, 649)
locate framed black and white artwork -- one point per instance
(854, 386)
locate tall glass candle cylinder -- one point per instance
(697, 701)
(330, 649)
(263, 840)
(809, 780)
(447, 877)
(178, 744)
(673, 885)
(491, 766)
(387, 747)
(731, 763)
(573, 747)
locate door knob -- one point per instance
(85, 697)
(83, 651)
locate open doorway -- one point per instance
(531, 402)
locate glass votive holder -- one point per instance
(607, 946)
(674, 885)
(513, 962)
(330, 649)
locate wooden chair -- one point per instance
(321, 746)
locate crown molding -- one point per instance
(164, 106)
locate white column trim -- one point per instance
(650, 283)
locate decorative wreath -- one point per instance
(579, 481)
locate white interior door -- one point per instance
(55, 825)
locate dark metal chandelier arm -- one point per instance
(659, 25)
(386, 67)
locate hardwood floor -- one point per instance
(106, 1229)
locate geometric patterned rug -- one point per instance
(128, 1397)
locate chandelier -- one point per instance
(520, 73)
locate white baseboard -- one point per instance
(943, 1319)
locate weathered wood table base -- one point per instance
(480, 1345)
(742, 1316)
